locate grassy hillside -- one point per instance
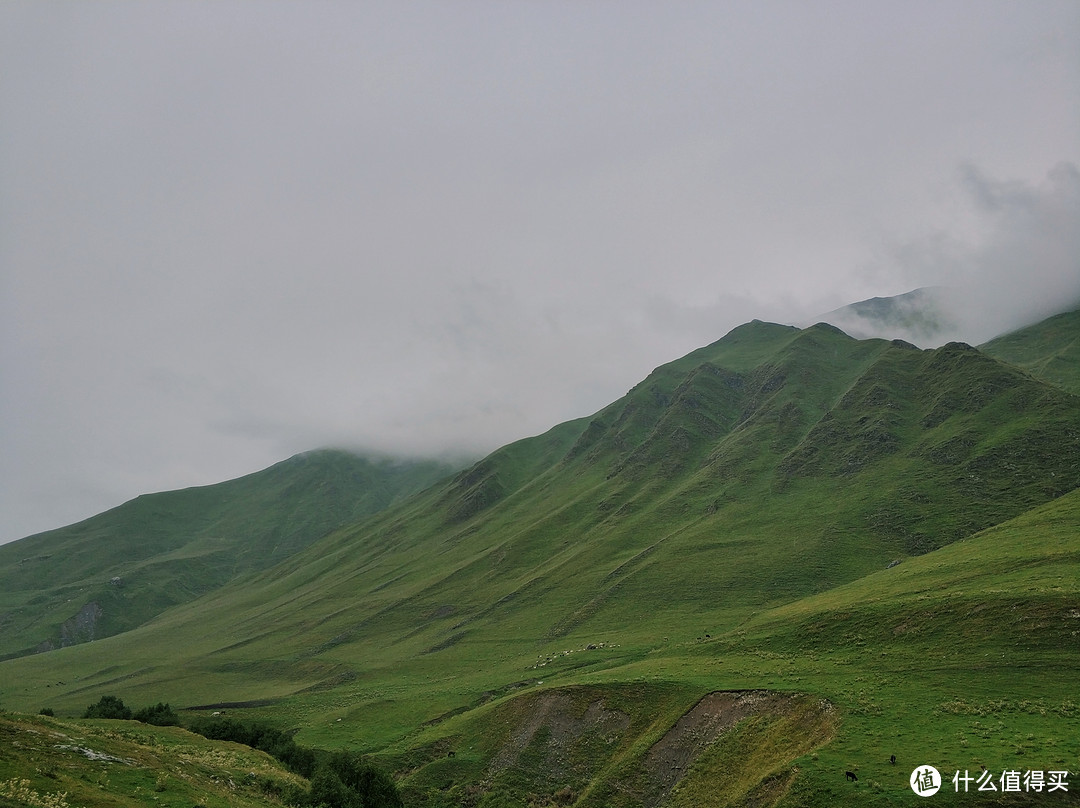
(114, 571)
(961, 658)
(55, 763)
(1049, 350)
(553, 614)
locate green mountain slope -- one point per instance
(960, 658)
(725, 526)
(114, 571)
(1049, 350)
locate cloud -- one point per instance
(1029, 266)
(228, 236)
(1015, 260)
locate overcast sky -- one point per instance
(233, 231)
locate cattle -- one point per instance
(851, 776)
(892, 759)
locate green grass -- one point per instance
(726, 526)
(55, 763)
(1049, 350)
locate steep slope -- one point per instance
(771, 465)
(114, 571)
(1049, 350)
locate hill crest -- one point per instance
(114, 571)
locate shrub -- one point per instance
(328, 790)
(160, 715)
(344, 780)
(108, 707)
(338, 779)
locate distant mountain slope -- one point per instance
(1049, 350)
(114, 571)
(923, 316)
(933, 315)
(772, 465)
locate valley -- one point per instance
(785, 557)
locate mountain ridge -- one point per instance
(157, 550)
(773, 431)
(727, 524)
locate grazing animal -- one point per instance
(450, 753)
(892, 759)
(851, 776)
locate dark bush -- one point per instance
(46, 711)
(274, 742)
(338, 779)
(160, 715)
(327, 791)
(108, 707)
(363, 785)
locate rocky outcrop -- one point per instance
(82, 626)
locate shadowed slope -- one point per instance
(114, 571)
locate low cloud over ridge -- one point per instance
(1020, 265)
(227, 236)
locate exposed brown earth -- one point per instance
(555, 713)
(560, 740)
(670, 758)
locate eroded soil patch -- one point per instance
(629, 747)
(553, 727)
(670, 758)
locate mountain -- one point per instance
(785, 556)
(1049, 350)
(115, 571)
(933, 315)
(925, 316)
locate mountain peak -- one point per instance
(922, 316)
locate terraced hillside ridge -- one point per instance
(889, 530)
(115, 571)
